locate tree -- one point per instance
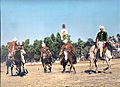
(52, 37)
(80, 47)
(30, 54)
(26, 44)
(37, 46)
(58, 38)
(90, 41)
(4, 52)
(48, 41)
(69, 39)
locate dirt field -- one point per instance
(37, 78)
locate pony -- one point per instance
(14, 59)
(67, 56)
(46, 59)
(94, 54)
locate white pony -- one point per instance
(94, 51)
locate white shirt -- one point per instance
(22, 56)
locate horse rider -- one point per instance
(22, 54)
(23, 58)
(45, 50)
(64, 37)
(64, 33)
(101, 39)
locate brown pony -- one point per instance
(46, 58)
(67, 54)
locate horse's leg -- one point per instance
(24, 68)
(64, 67)
(12, 66)
(50, 67)
(91, 64)
(19, 69)
(11, 71)
(95, 62)
(110, 65)
(7, 70)
(45, 68)
(70, 61)
(73, 68)
(42, 63)
(108, 61)
(17, 65)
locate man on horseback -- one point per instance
(67, 51)
(64, 33)
(23, 58)
(101, 40)
(67, 47)
(46, 57)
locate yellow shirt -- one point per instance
(64, 34)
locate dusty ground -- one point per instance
(37, 78)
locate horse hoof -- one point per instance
(50, 69)
(26, 72)
(99, 72)
(90, 72)
(110, 72)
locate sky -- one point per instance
(36, 19)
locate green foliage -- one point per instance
(26, 44)
(58, 38)
(52, 37)
(37, 45)
(4, 52)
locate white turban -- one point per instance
(101, 27)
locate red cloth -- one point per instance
(69, 47)
(11, 46)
